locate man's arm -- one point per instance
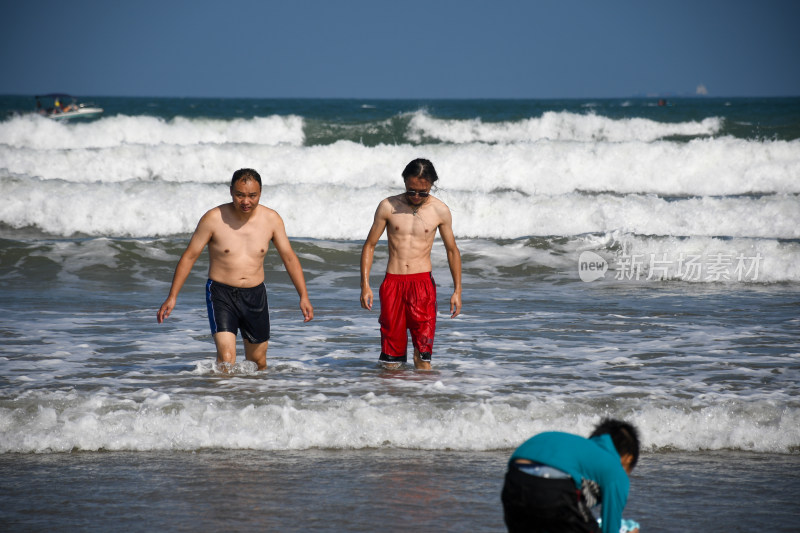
(293, 267)
(200, 238)
(614, 492)
(368, 252)
(453, 259)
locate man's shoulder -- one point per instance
(392, 200)
(215, 213)
(390, 204)
(220, 208)
(440, 208)
(438, 202)
(267, 212)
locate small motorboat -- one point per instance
(59, 106)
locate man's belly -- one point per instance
(408, 267)
(243, 278)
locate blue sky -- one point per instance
(401, 49)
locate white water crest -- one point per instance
(153, 420)
(553, 125)
(698, 188)
(38, 133)
(561, 174)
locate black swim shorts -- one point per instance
(532, 503)
(386, 358)
(234, 308)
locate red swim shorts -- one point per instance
(408, 302)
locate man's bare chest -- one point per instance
(411, 225)
(241, 242)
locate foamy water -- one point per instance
(561, 126)
(140, 184)
(94, 371)
(146, 177)
(616, 262)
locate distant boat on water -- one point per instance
(60, 106)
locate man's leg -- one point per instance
(256, 353)
(421, 320)
(419, 364)
(226, 347)
(394, 337)
(390, 365)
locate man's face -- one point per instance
(417, 185)
(245, 195)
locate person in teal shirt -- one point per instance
(554, 479)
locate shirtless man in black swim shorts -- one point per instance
(238, 235)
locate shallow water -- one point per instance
(365, 490)
(619, 260)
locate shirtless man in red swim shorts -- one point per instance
(408, 292)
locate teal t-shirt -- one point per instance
(593, 459)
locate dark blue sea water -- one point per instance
(686, 323)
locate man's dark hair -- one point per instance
(624, 436)
(245, 174)
(420, 168)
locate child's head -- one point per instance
(624, 436)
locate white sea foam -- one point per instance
(560, 126)
(38, 133)
(142, 176)
(152, 420)
(702, 167)
(325, 211)
(33, 131)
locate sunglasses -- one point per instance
(421, 194)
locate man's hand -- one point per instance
(307, 309)
(366, 298)
(165, 310)
(455, 305)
